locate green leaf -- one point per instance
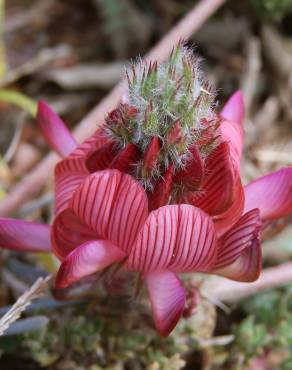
(19, 99)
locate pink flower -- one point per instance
(160, 206)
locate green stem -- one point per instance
(20, 100)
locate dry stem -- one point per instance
(36, 290)
(231, 291)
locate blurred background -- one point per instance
(71, 53)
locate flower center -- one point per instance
(168, 111)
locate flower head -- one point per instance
(157, 189)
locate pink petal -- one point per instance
(219, 185)
(113, 204)
(231, 126)
(86, 259)
(65, 185)
(91, 144)
(272, 194)
(71, 171)
(239, 256)
(54, 130)
(161, 193)
(247, 267)
(191, 177)
(24, 235)
(180, 238)
(224, 221)
(167, 297)
(234, 108)
(68, 232)
(102, 157)
(125, 160)
(232, 133)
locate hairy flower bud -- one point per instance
(163, 115)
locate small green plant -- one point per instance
(273, 9)
(266, 329)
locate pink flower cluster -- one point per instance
(199, 219)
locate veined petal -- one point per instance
(101, 158)
(65, 185)
(160, 195)
(179, 238)
(86, 259)
(125, 159)
(247, 267)
(25, 236)
(239, 256)
(191, 177)
(233, 110)
(69, 231)
(238, 238)
(113, 204)
(232, 133)
(91, 144)
(218, 187)
(231, 126)
(272, 194)
(167, 297)
(55, 131)
(71, 171)
(224, 221)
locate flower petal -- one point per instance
(86, 259)
(231, 126)
(23, 235)
(191, 176)
(232, 133)
(224, 221)
(160, 195)
(180, 238)
(272, 194)
(101, 158)
(65, 185)
(113, 204)
(247, 267)
(55, 131)
(239, 256)
(233, 110)
(167, 297)
(71, 171)
(69, 231)
(218, 187)
(126, 158)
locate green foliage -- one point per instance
(250, 337)
(268, 328)
(273, 9)
(101, 342)
(19, 99)
(287, 364)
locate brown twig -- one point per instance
(33, 182)
(35, 291)
(231, 291)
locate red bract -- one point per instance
(199, 219)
